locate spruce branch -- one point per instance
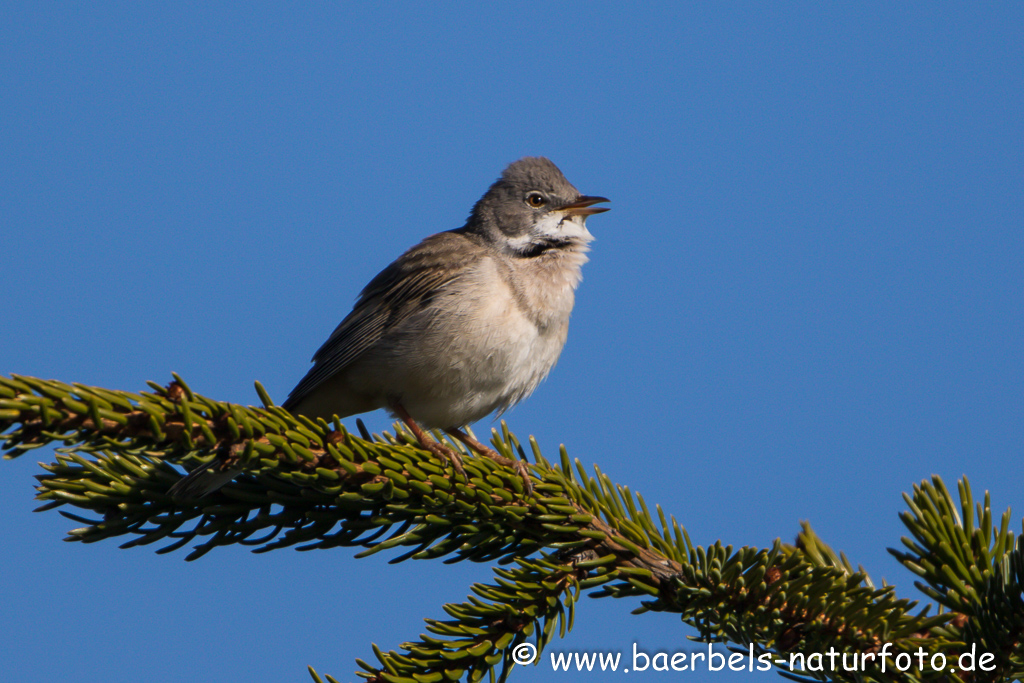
(971, 569)
(312, 484)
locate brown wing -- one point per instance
(397, 292)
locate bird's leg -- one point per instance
(488, 452)
(428, 442)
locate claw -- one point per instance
(428, 442)
(518, 465)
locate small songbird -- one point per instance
(465, 323)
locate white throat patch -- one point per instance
(554, 226)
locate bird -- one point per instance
(464, 324)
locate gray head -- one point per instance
(532, 208)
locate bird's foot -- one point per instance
(518, 465)
(428, 442)
(445, 453)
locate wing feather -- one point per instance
(397, 292)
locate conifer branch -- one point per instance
(312, 484)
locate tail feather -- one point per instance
(204, 480)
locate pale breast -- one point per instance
(485, 342)
(513, 340)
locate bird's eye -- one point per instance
(536, 200)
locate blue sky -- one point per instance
(809, 294)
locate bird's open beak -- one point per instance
(584, 206)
